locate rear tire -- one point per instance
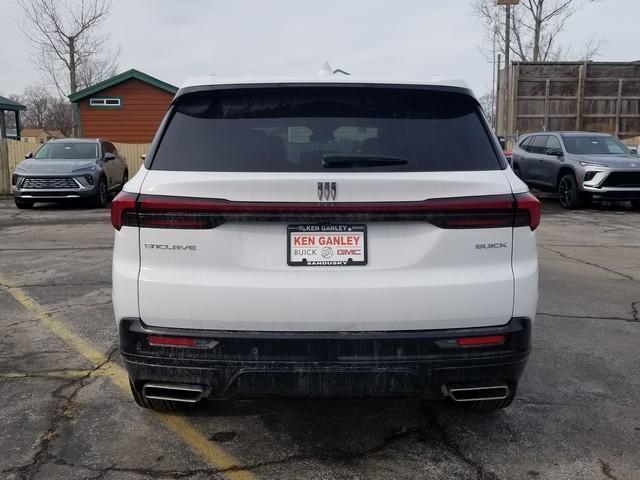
(157, 405)
(570, 195)
(102, 195)
(23, 204)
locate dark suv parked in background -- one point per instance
(580, 166)
(69, 169)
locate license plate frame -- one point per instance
(327, 255)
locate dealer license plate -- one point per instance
(326, 245)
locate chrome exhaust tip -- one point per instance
(173, 392)
(468, 393)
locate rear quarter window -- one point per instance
(296, 129)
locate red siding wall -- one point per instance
(143, 107)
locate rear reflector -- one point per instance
(158, 341)
(481, 341)
(491, 211)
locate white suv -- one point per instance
(325, 237)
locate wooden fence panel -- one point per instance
(132, 153)
(5, 175)
(17, 151)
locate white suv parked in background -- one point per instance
(325, 237)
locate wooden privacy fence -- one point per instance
(12, 152)
(588, 96)
(132, 153)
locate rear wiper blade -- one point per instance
(351, 160)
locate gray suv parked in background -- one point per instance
(580, 166)
(69, 169)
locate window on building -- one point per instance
(105, 102)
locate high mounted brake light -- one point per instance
(491, 211)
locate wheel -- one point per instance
(102, 195)
(125, 179)
(157, 405)
(488, 405)
(635, 204)
(570, 196)
(22, 204)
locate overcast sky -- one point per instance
(418, 38)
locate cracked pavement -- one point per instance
(576, 415)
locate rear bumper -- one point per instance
(361, 364)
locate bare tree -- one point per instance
(66, 34)
(487, 104)
(592, 49)
(37, 100)
(59, 116)
(44, 110)
(535, 27)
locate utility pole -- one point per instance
(496, 97)
(507, 64)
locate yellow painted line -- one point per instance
(52, 374)
(211, 451)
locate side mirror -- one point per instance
(29, 155)
(143, 157)
(556, 152)
(109, 156)
(503, 143)
(634, 150)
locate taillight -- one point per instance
(528, 211)
(491, 211)
(123, 210)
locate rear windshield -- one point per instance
(68, 151)
(595, 145)
(319, 129)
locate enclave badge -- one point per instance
(164, 246)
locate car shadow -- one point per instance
(335, 428)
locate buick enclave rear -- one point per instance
(325, 238)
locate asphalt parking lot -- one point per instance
(65, 412)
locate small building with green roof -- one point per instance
(127, 108)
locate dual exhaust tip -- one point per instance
(474, 393)
(173, 392)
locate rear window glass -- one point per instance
(318, 129)
(596, 145)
